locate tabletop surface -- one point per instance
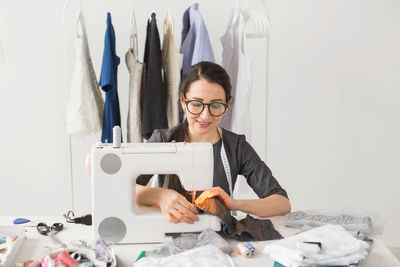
(37, 246)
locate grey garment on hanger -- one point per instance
(196, 45)
(154, 114)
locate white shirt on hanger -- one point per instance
(85, 104)
(238, 66)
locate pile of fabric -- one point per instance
(328, 245)
(301, 219)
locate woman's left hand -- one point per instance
(229, 202)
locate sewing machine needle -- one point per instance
(193, 196)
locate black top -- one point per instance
(243, 160)
(154, 114)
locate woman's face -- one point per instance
(206, 93)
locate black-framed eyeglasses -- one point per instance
(196, 107)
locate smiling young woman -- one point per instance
(205, 96)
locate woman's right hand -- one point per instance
(176, 208)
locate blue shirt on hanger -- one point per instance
(196, 45)
(108, 83)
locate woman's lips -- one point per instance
(203, 124)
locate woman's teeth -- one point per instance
(204, 123)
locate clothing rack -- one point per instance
(108, 8)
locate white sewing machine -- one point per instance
(116, 216)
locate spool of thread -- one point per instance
(66, 259)
(116, 136)
(243, 250)
(249, 246)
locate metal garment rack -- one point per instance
(67, 81)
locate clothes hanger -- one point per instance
(133, 42)
(261, 23)
(265, 28)
(133, 37)
(250, 16)
(168, 25)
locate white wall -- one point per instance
(333, 112)
(332, 123)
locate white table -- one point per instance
(34, 245)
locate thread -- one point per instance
(243, 250)
(250, 247)
(116, 136)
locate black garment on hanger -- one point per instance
(154, 115)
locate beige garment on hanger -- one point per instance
(85, 104)
(172, 64)
(135, 68)
(133, 125)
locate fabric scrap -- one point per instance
(247, 229)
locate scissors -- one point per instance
(50, 231)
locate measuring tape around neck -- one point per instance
(227, 168)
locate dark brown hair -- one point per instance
(212, 73)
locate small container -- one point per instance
(18, 232)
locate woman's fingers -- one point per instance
(171, 218)
(177, 209)
(179, 215)
(182, 201)
(188, 210)
(213, 192)
(205, 195)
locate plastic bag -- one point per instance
(187, 242)
(190, 241)
(204, 256)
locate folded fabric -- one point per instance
(338, 247)
(204, 256)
